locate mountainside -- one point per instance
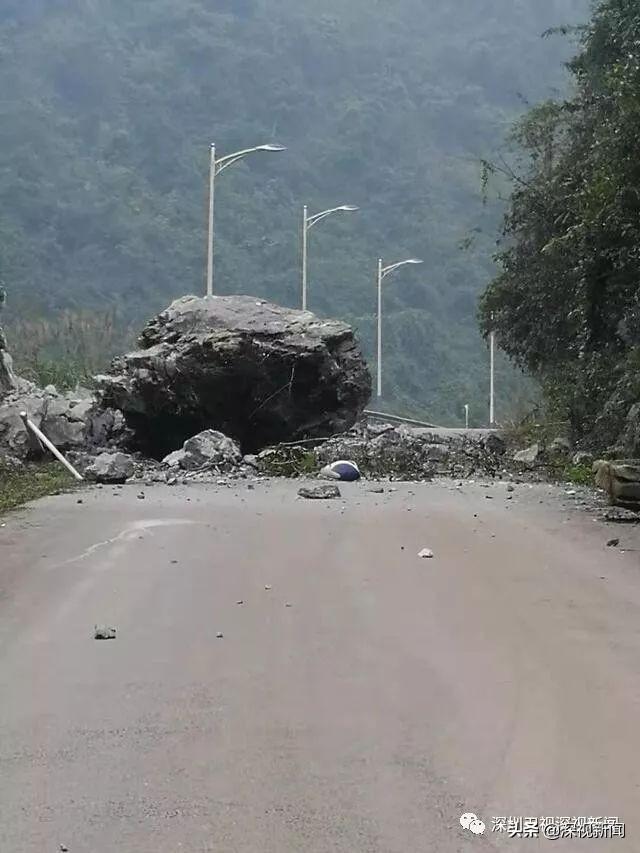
(108, 108)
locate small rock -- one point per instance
(511, 488)
(240, 601)
(489, 497)
(529, 456)
(172, 481)
(287, 604)
(219, 635)
(79, 501)
(570, 492)
(560, 446)
(141, 496)
(377, 490)
(110, 468)
(104, 632)
(267, 587)
(323, 492)
(426, 554)
(612, 543)
(63, 847)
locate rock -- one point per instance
(619, 515)
(251, 460)
(612, 543)
(560, 447)
(426, 554)
(437, 452)
(620, 480)
(64, 422)
(106, 427)
(15, 438)
(8, 381)
(582, 457)
(104, 632)
(110, 468)
(377, 490)
(255, 371)
(379, 429)
(219, 635)
(324, 492)
(529, 456)
(510, 488)
(495, 444)
(208, 449)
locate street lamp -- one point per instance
(217, 166)
(307, 223)
(383, 272)
(492, 349)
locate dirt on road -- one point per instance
(289, 675)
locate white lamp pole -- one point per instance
(307, 224)
(492, 349)
(383, 272)
(215, 167)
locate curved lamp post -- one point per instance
(383, 272)
(307, 224)
(217, 166)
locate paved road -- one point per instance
(501, 677)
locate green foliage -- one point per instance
(30, 482)
(289, 462)
(566, 303)
(580, 475)
(108, 109)
(68, 349)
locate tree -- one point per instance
(565, 303)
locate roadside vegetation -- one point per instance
(30, 482)
(565, 304)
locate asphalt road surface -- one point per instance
(360, 698)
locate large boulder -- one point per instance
(255, 371)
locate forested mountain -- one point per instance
(566, 302)
(107, 109)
